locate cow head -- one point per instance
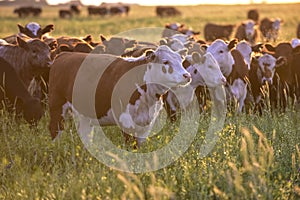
(117, 45)
(166, 68)
(32, 110)
(250, 29)
(38, 51)
(221, 52)
(267, 64)
(207, 69)
(34, 30)
(276, 24)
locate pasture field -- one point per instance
(256, 157)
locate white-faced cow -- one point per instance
(205, 71)
(270, 28)
(247, 30)
(159, 70)
(14, 90)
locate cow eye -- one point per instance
(195, 71)
(166, 62)
(221, 51)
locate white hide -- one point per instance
(33, 27)
(266, 62)
(221, 53)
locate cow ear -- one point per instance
(22, 43)
(150, 55)
(186, 63)
(102, 38)
(183, 52)
(281, 61)
(47, 29)
(197, 58)
(167, 25)
(21, 29)
(269, 47)
(232, 44)
(257, 48)
(163, 42)
(87, 38)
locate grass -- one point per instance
(256, 157)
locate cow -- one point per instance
(238, 79)
(214, 31)
(204, 71)
(119, 10)
(261, 74)
(34, 30)
(27, 11)
(247, 30)
(63, 13)
(13, 89)
(76, 9)
(253, 14)
(270, 28)
(29, 58)
(167, 11)
(160, 69)
(98, 10)
(284, 79)
(114, 45)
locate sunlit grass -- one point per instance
(256, 157)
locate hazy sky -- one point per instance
(175, 2)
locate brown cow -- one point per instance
(27, 11)
(253, 15)
(215, 31)
(29, 58)
(167, 11)
(65, 14)
(134, 113)
(270, 28)
(15, 91)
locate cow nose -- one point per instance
(187, 76)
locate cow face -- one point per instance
(32, 111)
(209, 69)
(38, 51)
(166, 68)
(250, 29)
(245, 49)
(267, 65)
(221, 52)
(276, 24)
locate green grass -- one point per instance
(256, 157)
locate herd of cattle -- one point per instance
(102, 10)
(36, 67)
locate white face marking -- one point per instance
(221, 53)
(33, 27)
(295, 42)
(176, 75)
(276, 24)
(250, 29)
(210, 71)
(245, 49)
(267, 65)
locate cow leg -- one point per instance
(56, 119)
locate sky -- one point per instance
(175, 2)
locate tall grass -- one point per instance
(256, 157)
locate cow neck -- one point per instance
(148, 93)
